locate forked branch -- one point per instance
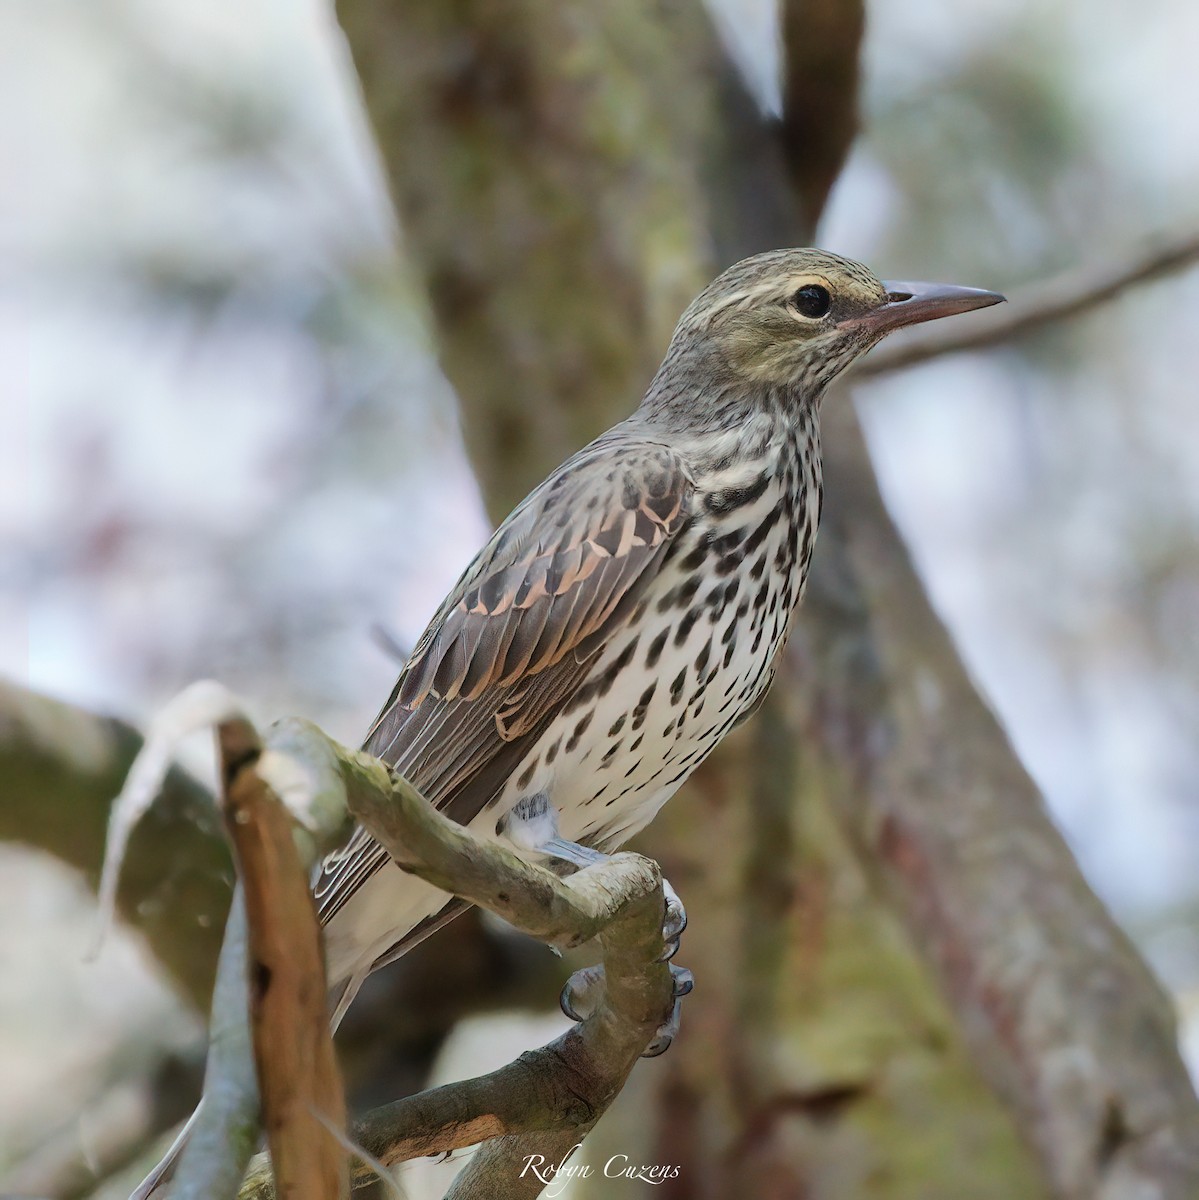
(541, 1104)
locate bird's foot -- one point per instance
(673, 924)
(532, 825)
(584, 988)
(674, 920)
(581, 993)
(683, 982)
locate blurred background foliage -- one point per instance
(229, 450)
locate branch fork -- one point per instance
(289, 797)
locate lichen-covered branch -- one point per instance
(565, 1086)
(524, 1096)
(561, 912)
(548, 1099)
(561, 1090)
(297, 788)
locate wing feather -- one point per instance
(514, 639)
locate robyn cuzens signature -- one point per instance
(555, 1176)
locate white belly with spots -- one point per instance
(698, 658)
(697, 661)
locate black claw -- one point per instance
(566, 1003)
(658, 1046)
(683, 980)
(665, 1034)
(675, 923)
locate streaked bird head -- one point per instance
(794, 319)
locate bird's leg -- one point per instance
(673, 923)
(532, 825)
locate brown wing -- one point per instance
(513, 640)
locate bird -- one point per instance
(628, 613)
(631, 610)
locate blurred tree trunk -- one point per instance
(567, 177)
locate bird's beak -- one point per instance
(912, 303)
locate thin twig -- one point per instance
(391, 645)
(369, 1163)
(1066, 295)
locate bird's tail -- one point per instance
(342, 996)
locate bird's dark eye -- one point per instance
(812, 301)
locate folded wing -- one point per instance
(516, 636)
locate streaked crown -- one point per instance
(794, 319)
